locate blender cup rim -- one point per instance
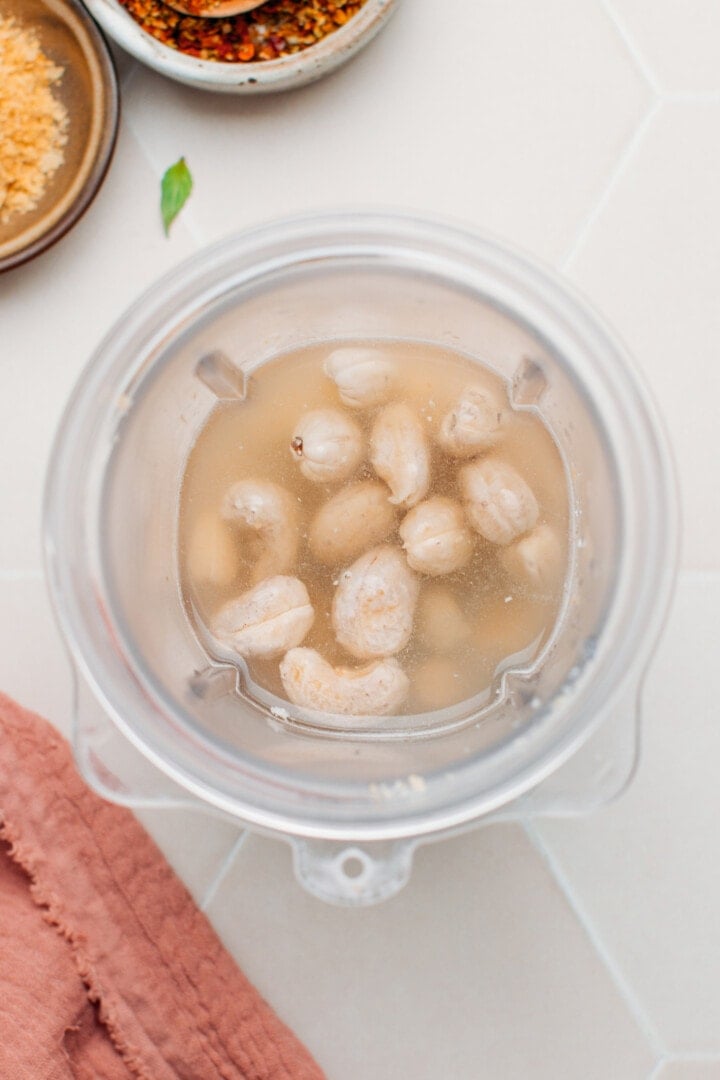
(301, 240)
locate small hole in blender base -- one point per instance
(352, 867)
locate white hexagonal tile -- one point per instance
(478, 968)
(646, 869)
(35, 670)
(34, 667)
(509, 115)
(195, 844)
(53, 313)
(680, 39)
(651, 263)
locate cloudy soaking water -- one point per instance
(374, 530)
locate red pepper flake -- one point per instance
(277, 28)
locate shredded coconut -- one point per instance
(33, 123)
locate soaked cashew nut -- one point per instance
(498, 502)
(364, 376)
(267, 620)
(537, 560)
(374, 604)
(400, 454)
(358, 517)
(272, 514)
(473, 423)
(442, 627)
(436, 537)
(376, 689)
(328, 445)
(211, 556)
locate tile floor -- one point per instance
(586, 131)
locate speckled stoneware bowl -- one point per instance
(252, 78)
(88, 90)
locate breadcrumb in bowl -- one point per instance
(58, 114)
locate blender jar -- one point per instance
(158, 723)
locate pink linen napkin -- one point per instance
(108, 971)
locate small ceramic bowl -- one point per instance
(256, 77)
(88, 90)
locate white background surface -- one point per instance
(588, 133)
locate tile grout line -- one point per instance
(620, 166)
(188, 219)
(214, 886)
(616, 976)
(645, 68)
(129, 76)
(635, 54)
(680, 1059)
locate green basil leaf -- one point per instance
(175, 188)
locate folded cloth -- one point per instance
(108, 971)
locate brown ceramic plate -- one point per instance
(89, 91)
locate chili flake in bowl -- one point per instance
(281, 44)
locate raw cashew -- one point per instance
(537, 560)
(498, 502)
(400, 454)
(376, 689)
(374, 604)
(267, 620)
(437, 683)
(272, 513)
(328, 445)
(441, 625)
(211, 556)
(473, 423)
(436, 537)
(364, 376)
(358, 517)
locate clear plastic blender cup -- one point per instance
(158, 723)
